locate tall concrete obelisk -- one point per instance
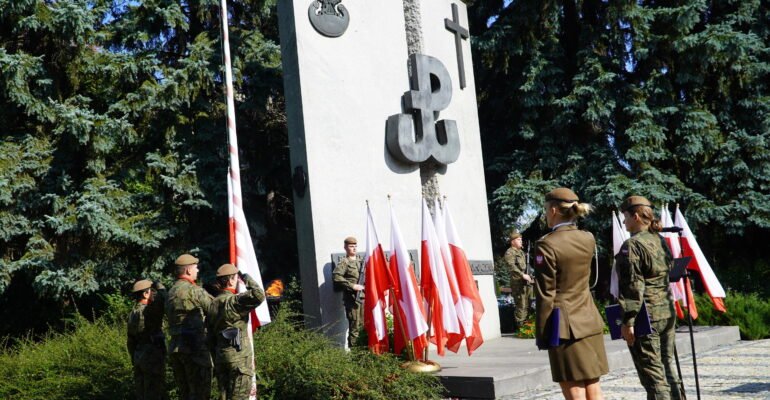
(360, 128)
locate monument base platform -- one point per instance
(508, 365)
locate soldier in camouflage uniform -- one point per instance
(521, 282)
(345, 277)
(189, 356)
(227, 321)
(643, 265)
(146, 343)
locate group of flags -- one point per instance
(684, 246)
(444, 308)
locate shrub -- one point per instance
(89, 361)
(295, 363)
(749, 312)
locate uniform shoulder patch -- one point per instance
(539, 259)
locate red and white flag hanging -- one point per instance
(243, 250)
(411, 319)
(376, 286)
(619, 235)
(691, 248)
(469, 292)
(677, 288)
(464, 312)
(435, 285)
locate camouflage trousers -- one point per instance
(521, 298)
(192, 373)
(232, 382)
(355, 317)
(653, 357)
(150, 377)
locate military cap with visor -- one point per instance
(227, 270)
(514, 235)
(634, 201)
(185, 259)
(562, 194)
(351, 240)
(141, 286)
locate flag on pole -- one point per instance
(469, 292)
(699, 263)
(410, 303)
(436, 289)
(619, 235)
(677, 288)
(376, 286)
(464, 312)
(242, 252)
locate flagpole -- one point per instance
(689, 314)
(235, 173)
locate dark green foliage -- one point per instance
(666, 99)
(113, 150)
(299, 364)
(90, 361)
(750, 312)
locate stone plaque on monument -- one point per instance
(361, 128)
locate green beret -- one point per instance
(351, 240)
(141, 286)
(185, 259)
(562, 194)
(634, 201)
(227, 270)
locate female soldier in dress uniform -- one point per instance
(643, 265)
(563, 267)
(228, 317)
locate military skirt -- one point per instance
(579, 359)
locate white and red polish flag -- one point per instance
(619, 235)
(410, 305)
(699, 263)
(469, 292)
(464, 311)
(376, 286)
(242, 252)
(436, 289)
(677, 288)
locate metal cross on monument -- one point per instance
(460, 33)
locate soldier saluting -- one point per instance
(146, 342)
(228, 321)
(346, 278)
(186, 308)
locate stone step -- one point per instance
(508, 365)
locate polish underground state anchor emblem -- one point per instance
(329, 17)
(416, 136)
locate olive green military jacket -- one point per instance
(145, 328)
(643, 264)
(186, 308)
(230, 310)
(563, 268)
(345, 275)
(517, 266)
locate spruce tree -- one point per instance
(664, 99)
(113, 156)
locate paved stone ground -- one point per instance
(739, 371)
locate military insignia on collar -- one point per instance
(539, 259)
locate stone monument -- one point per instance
(380, 101)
